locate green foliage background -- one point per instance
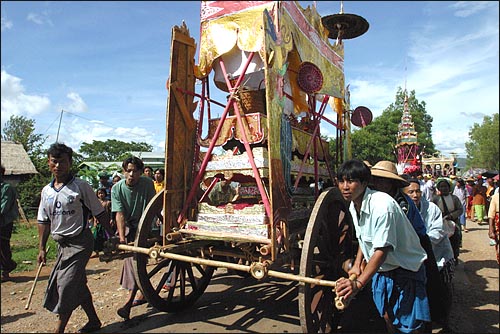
(111, 149)
(24, 245)
(483, 147)
(22, 130)
(377, 141)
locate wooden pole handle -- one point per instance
(34, 282)
(340, 302)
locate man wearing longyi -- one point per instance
(65, 205)
(392, 250)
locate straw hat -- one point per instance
(387, 170)
(453, 177)
(470, 179)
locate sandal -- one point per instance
(90, 327)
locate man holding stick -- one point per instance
(65, 205)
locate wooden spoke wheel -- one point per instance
(326, 254)
(168, 285)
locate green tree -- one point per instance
(111, 149)
(377, 140)
(22, 130)
(91, 175)
(482, 148)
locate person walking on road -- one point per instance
(441, 246)
(65, 206)
(9, 213)
(469, 186)
(129, 199)
(428, 187)
(461, 192)
(391, 247)
(385, 178)
(451, 209)
(479, 202)
(494, 224)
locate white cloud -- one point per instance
(77, 104)
(456, 74)
(6, 24)
(376, 96)
(40, 19)
(468, 8)
(446, 140)
(75, 131)
(160, 147)
(15, 101)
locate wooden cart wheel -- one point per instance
(326, 252)
(168, 285)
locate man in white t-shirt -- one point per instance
(65, 206)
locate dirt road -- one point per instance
(237, 305)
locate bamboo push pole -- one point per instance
(34, 282)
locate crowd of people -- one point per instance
(80, 218)
(409, 229)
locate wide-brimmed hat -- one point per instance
(470, 179)
(387, 169)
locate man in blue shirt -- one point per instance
(390, 245)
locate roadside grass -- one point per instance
(24, 245)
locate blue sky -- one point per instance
(106, 63)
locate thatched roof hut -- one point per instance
(16, 161)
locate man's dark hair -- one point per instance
(2, 170)
(102, 189)
(410, 178)
(161, 170)
(354, 170)
(57, 150)
(134, 161)
(413, 180)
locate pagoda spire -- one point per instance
(407, 143)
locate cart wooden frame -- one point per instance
(268, 139)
